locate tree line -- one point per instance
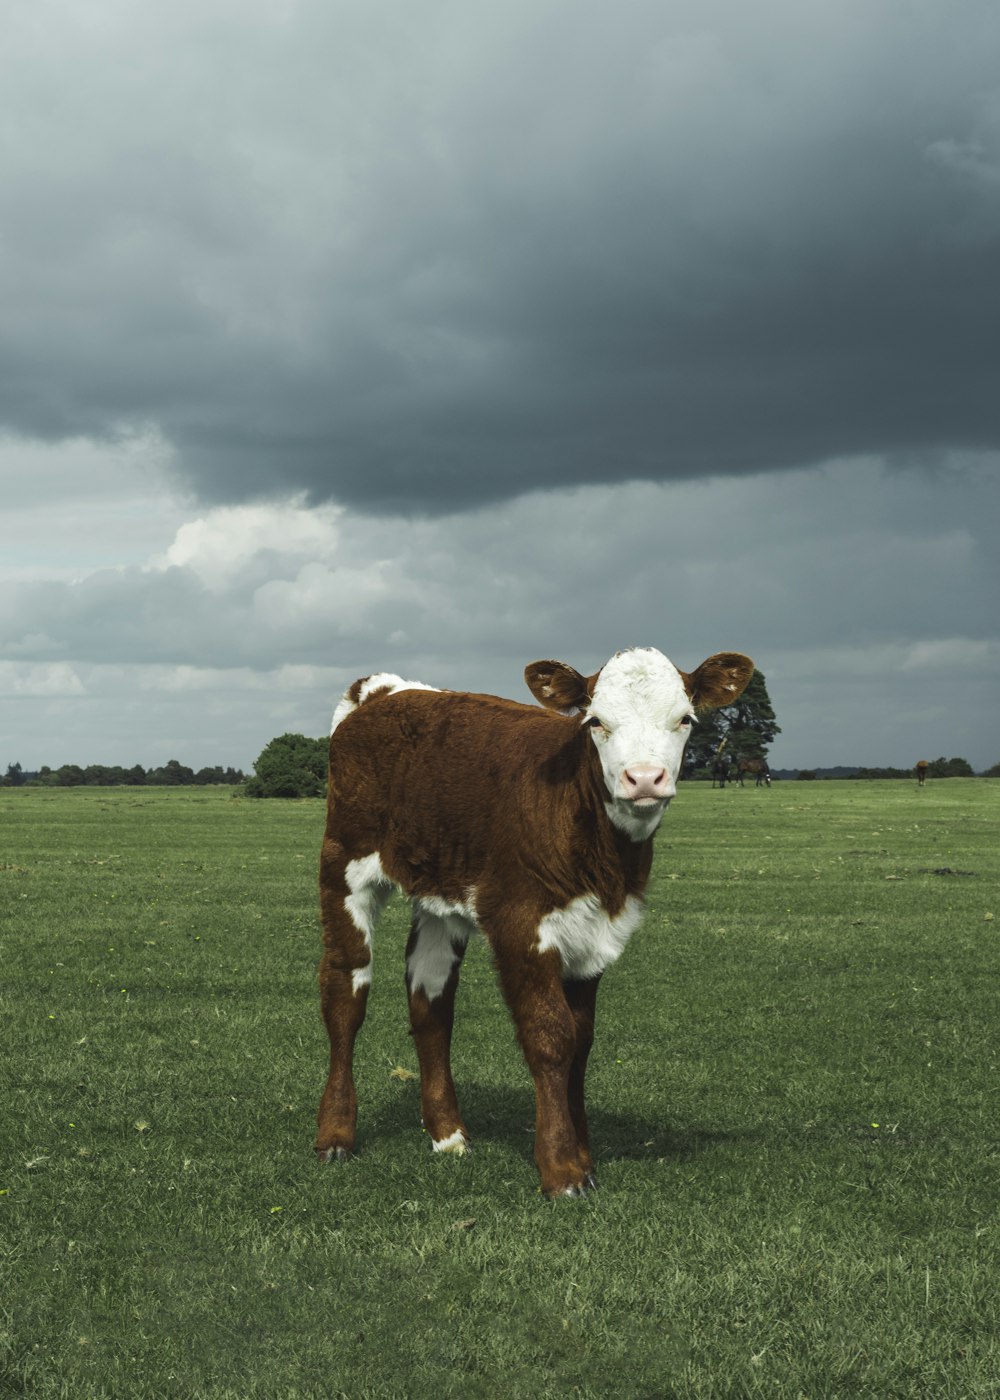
(938, 768)
(171, 774)
(293, 765)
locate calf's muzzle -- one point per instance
(647, 782)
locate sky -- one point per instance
(440, 338)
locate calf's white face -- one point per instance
(639, 709)
(639, 718)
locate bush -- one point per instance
(290, 766)
(950, 768)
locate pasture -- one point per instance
(793, 1103)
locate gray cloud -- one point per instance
(417, 264)
(866, 597)
(442, 337)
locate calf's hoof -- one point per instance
(574, 1191)
(332, 1154)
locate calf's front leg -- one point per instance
(581, 998)
(548, 1031)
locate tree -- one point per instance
(15, 776)
(290, 766)
(101, 775)
(950, 768)
(172, 774)
(747, 728)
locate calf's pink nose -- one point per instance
(646, 780)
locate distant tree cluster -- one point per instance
(172, 774)
(744, 729)
(866, 773)
(950, 768)
(290, 766)
(940, 768)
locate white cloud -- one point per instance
(82, 504)
(220, 544)
(186, 680)
(20, 680)
(976, 155)
(956, 657)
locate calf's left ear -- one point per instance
(718, 681)
(557, 686)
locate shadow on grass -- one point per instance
(505, 1116)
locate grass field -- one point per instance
(794, 1105)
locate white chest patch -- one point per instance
(586, 936)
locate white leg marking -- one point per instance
(443, 930)
(370, 888)
(457, 1143)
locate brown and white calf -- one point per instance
(921, 771)
(532, 825)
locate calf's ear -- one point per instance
(557, 686)
(718, 681)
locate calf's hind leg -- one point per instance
(434, 955)
(352, 894)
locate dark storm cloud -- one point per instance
(416, 263)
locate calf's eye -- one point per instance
(594, 723)
(685, 722)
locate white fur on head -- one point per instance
(645, 716)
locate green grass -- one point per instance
(793, 1102)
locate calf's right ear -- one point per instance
(719, 681)
(557, 686)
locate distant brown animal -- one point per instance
(757, 768)
(922, 768)
(721, 772)
(534, 826)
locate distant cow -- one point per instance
(532, 825)
(757, 768)
(922, 768)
